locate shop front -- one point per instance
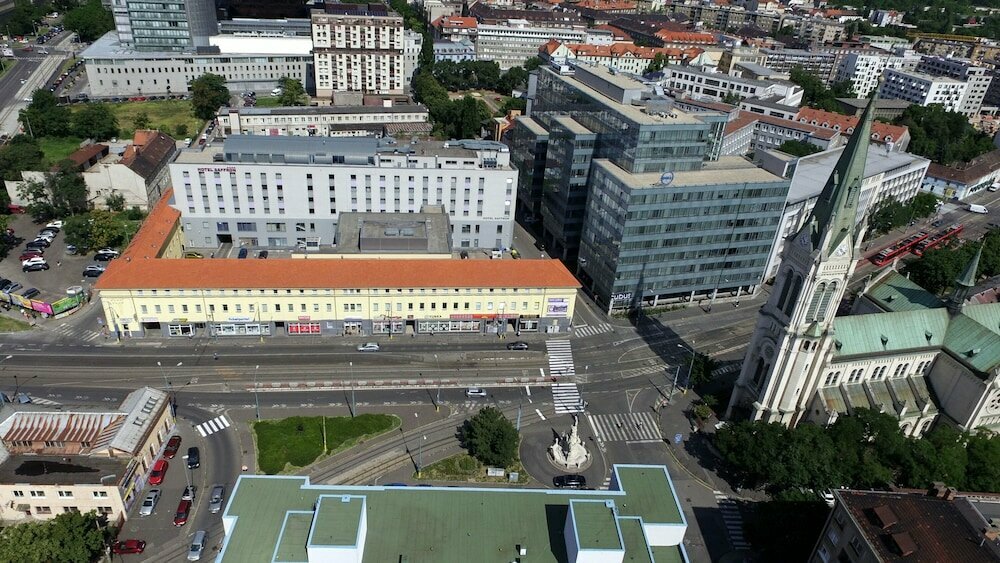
(239, 326)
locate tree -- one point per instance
(21, 153)
(61, 194)
(292, 92)
(71, 537)
(514, 79)
(96, 229)
(44, 117)
(815, 93)
(181, 129)
(659, 61)
(208, 94)
(468, 116)
(518, 104)
(77, 230)
(491, 438)
(141, 120)
(799, 148)
(532, 64)
(115, 202)
(95, 121)
(701, 368)
(983, 473)
(23, 17)
(89, 20)
(924, 204)
(943, 136)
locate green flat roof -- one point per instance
(294, 535)
(596, 525)
(338, 520)
(668, 554)
(636, 550)
(438, 524)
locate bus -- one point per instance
(888, 254)
(938, 239)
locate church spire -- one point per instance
(836, 209)
(965, 281)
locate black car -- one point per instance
(102, 257)
(519, 345)
(243, 253)
(35, 267)
(37, 244)
(193, 458)
(262, 254)
(569, 481)
(93, 271)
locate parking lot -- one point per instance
(64, 271)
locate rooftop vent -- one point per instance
(885, 516)
(885, 340)
(928, 335)
(973, 352)
(903, 544)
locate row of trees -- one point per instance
(44, 117)
(61, 193)
(101, 228)
(943, 136)
(90, 20)
(890, 213)
(70, 537)
(863, 450)
(937, 270)
(456, 119)
(815, 93)
(483, 75)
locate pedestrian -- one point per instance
(58, 263)
(215, 355)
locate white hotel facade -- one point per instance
(283, 192)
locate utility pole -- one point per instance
(437, 403)
(256, 391)
(354, 404)
(420, 456)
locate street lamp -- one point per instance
(166, 383)
(256, 395)
(690, 367)
(420, 456)
(437, 403)
(354, 405)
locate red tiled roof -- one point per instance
(967, 172)
(692, 37)
(747, 117)
(604, 5)
(846, 124)
(58, 427)
(619, 34)
(82, 156)
(153, 234)
(455, 21)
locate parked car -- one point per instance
(104, 257)
(33, 260)
(569, 481)
(30, 292)
(11, 287)
(216, 499)
(183, 511)
(243, 253)
(41, 241)
(193, 458)
(159, 472)
(173, 444)
(57, 224)
(27, 254)
(93, 271)
(122, 547)
(188, 493)
(37, 245)
(149, 503)
(519, 345)
(368, 347)
(262, 254)
(108, 251)
(195, 255)
(197, 545)
(35, 267)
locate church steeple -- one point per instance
(965, 282)
(836, 209)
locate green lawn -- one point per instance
(57, 149)
(67, 64)
(465, 468)
(164, 115)
(8, 324)
(267, 102)
(290, 443)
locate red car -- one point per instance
(30, 254)
(183, 509)
(122, 547)
(159, 471)
(173, 444)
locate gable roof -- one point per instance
(889, 332)
(149, 152)
(895, 292)
(881, 132)
(975, 342)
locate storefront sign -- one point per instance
(150, 319)
(304, 317)
(557, 307)
(239, 319)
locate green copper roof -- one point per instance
(968, 276)
(974, 342)
(837, 206)
(986, 314)
(895, 292)
(889, 332)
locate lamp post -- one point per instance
(9, 356)
(354, 404)
(166, 382)
(256, 395)
(17, 385)
(437, 403)
(690, 367)
(420, 456)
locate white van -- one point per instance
(973, 208)
(276, 92)
(197, 545)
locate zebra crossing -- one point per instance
(627, 427)
(217, 424)
(733, 520)
(566, 398)
(560, 354)
(592, 330)
(39, 401)
(71, 331)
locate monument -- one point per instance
(567, 451)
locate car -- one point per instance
(30, 292)
(33, 260)
(159, 472)
(173, 444)
(193, 458)
(519, 345)
(71, 249)
(37, 245)
(243, 253)
(475, 392)
(189, 493)
(108, 251)
(183, 511)
(102, 257)
(937, 223)
(46, 236)
(122, 547)
(194, 255)
(368, 347)
(51, 230)
(569, 481)
(35, 267)
(93, 271)
(216, 499)
(197, 545)
(41, 241)
(31, 254)
(149, 503)
(12, 287)
(262, 254)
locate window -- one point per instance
(18, 493)
(38, 494)
(831, 378)
(43, 509)
(100, 494)
(65, 494)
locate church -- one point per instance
(901, 350)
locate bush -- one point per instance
(182, 129)
(491, 438)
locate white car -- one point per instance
(150, 502)
(35, 260)
(55, 224)
(47, 235)
(368, 347)
(107, 251)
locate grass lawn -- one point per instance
(57, 149)
(267, 102)
(67, 64)
(164, 115)
(290, 443)
(8, 324)
(465, 468)
(7, 65)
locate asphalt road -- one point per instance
(37, 70)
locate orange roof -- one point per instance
(669, 36)
(846, 123)
(745, 118)
(152, 235)
(602, 5)
(550, 46)
(455, 21)
(619, 34)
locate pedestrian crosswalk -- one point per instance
(566, 398)
(733, 520)
(560, 358)
(39, 401)
(627, 427)
(217, 424)
(78, 333)
(591, 330)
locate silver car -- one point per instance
(216, 499)
(149, 503)
(197, 545)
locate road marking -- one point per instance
(582, 331)
(212, 426)
(733, 520)
(566, 398)
(638, 427)
(560, 358)
(540, 415)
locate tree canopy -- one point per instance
(21, 153)
(943, 136)
(937, 269)
(457, 119)
(90, 20)
(44, 117)
(890, 213)
(99, 228)
(799, 148)
(292, 92)
(491, 438)
(70, 537)
(62, 193)
(208, 94)
(95, 121)
(815, 94)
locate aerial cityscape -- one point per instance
(497, 281)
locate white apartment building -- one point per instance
(284, 192)
(896, 175)
(413, 42)
(358, 48)
(512, 44)
(865, 70)
(922, 89)
(321, 121)
(715, 86)
(977, 77)
(455, 51)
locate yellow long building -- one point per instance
(151, 290)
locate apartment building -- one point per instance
(286, 192)
(977, 78)
(622, 57)
(864, 71)
(923, 89)
(358, 48)
(890, 137)
(961, 181)
(80, 459)
(753, 132)
(455, 51)
(516, 41)
(816, 63)
(716, 86)
(413, 43)
(730, 58)
(166, 25)
(320, 121)
(814, 30)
